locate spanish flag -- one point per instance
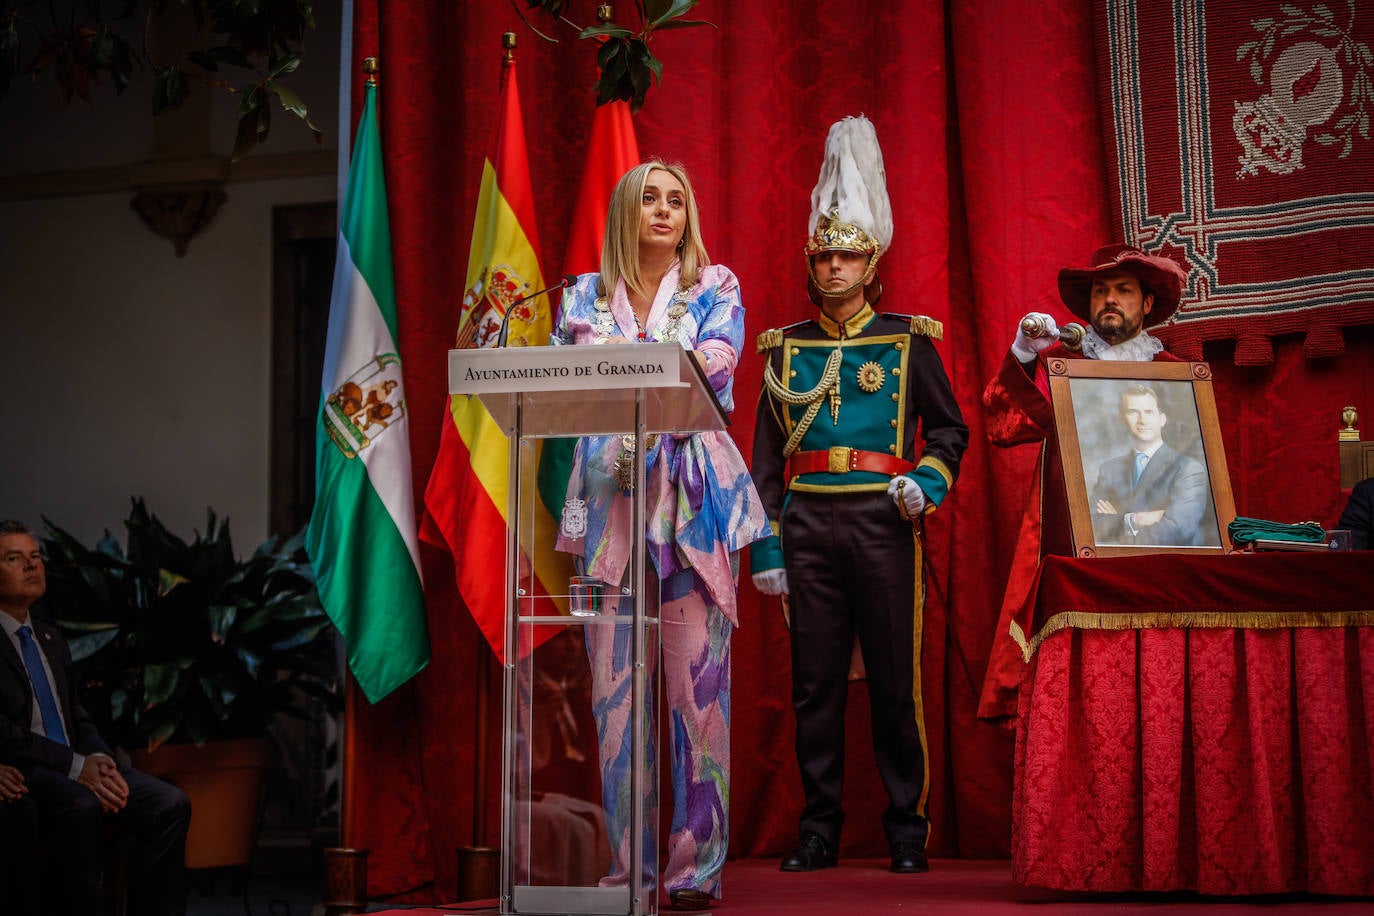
(466, 501)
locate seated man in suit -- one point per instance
(18, 844)
(69, 771)
(1152, 494)
(1359, 515)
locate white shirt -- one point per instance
(11, 628)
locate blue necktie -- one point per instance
(42, 690)
(1141, 459)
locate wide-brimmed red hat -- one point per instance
(1165, 277)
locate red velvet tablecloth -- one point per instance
(1201, 723)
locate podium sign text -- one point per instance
(584, 368)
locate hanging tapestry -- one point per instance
(1240, 140)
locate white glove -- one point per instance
(1025, 347)
(911, 498)
(771, 582)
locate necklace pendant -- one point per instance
(625, 471)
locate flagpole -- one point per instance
(479, 864)
(481, 772)
(346, 866)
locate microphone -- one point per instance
(568, 280)
(1070, 335)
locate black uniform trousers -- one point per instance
(853, 567)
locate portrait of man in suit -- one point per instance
(1152, 494)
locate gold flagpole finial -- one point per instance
(604, 13)
(371, 69)
(508, 42)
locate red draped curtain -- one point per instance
(987, 112)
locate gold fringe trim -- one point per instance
(1018, 636)
(768, 340)
(921, 324)
(1158, 620)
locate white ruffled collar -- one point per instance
(1139, 349)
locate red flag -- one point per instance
(611, 152)
(466, 498)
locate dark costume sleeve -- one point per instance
(767, 467)
(942, 425)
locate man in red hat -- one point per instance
(1121, 295)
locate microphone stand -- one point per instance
(504, 332)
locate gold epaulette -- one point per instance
(773, 337)
(928, 327)
(920, 324)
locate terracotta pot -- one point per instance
(222, 779)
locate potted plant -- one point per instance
(186, 654)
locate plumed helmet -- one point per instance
(850, 210)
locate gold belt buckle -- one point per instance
(838, 461)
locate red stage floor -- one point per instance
(755, 887)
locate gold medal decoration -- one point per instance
(625, 461)
(871, 377)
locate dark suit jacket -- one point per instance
(1173, 482)
(1359, 515)
(23, 747)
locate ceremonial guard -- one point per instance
(857, 438)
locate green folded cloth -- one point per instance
(1244, 530)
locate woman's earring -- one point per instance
(680, 242)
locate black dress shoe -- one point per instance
(811, 853)
(909, 859)
(689, 899)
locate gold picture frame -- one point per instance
(1175, 499)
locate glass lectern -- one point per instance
(555, 851)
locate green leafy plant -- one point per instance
(626, 64)
(83, 42)
(183, 642)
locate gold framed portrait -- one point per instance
(1144, 467)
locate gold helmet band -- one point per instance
(833, 235)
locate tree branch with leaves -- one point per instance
(84, 42)
(627, 67)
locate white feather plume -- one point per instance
(853, 182)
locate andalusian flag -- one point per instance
(466, 501)
(361, 538)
